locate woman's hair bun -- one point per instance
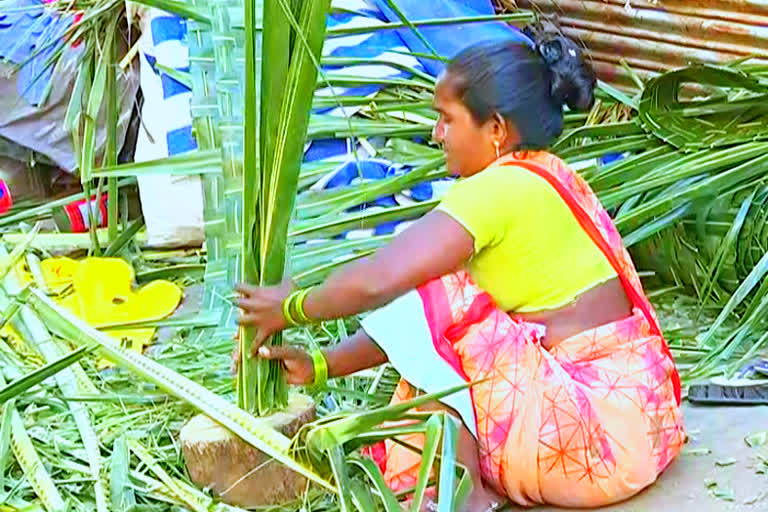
(573, 79)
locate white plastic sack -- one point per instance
(172, 205)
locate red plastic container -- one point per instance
(6, 201)
(77, 213)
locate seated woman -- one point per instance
(518, 281)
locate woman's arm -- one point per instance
(433, 246)
(358, 352)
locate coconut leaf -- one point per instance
(341, 475)
(376, 479)
(307, 256)
(111, 149)
(463, 489)
(362, 496)
(603, 147)
(12, 259)
(432, 436)
(602, 130)
(30, 462)
(118, 243)
(337, 200)
(696, 164)
(331, 225)
(727, 245)
(121, 494)
(46, 209)
(656, 225)
(324, 126)
(247, 427)
(192, 498)
(709, 186)
(183, 9)
(256, 379)
(336, 432)
(630, 168)
(19, 386)
(447, 478)
(405, 21)
(191, 164)
(5, 438)
(616, 94)
(663, 112)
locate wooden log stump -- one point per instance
(235, 471)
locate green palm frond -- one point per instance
(33, 468)
(247, 427)
(734, 113)
(121, 494)
(273, 198)
(21, 385)
(334, 201)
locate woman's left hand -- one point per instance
(262, 307)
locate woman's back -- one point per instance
(531, 254)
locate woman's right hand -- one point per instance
(297, 363)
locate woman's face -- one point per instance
(469, 147)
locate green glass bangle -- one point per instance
(320, 366)
(287, 309)
(300, 313)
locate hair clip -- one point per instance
(551, 51)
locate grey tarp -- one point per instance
(42, 128)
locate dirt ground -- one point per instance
(683, 487)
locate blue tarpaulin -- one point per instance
(30, 33)
(393, 46)
(447, 40)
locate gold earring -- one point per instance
(498, 151)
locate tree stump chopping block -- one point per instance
(235, 471)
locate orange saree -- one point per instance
(590, 422)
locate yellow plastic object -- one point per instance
(58, 273)
(101, 293)
(105, 297)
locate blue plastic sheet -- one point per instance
(27, 29)
(448, 40)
